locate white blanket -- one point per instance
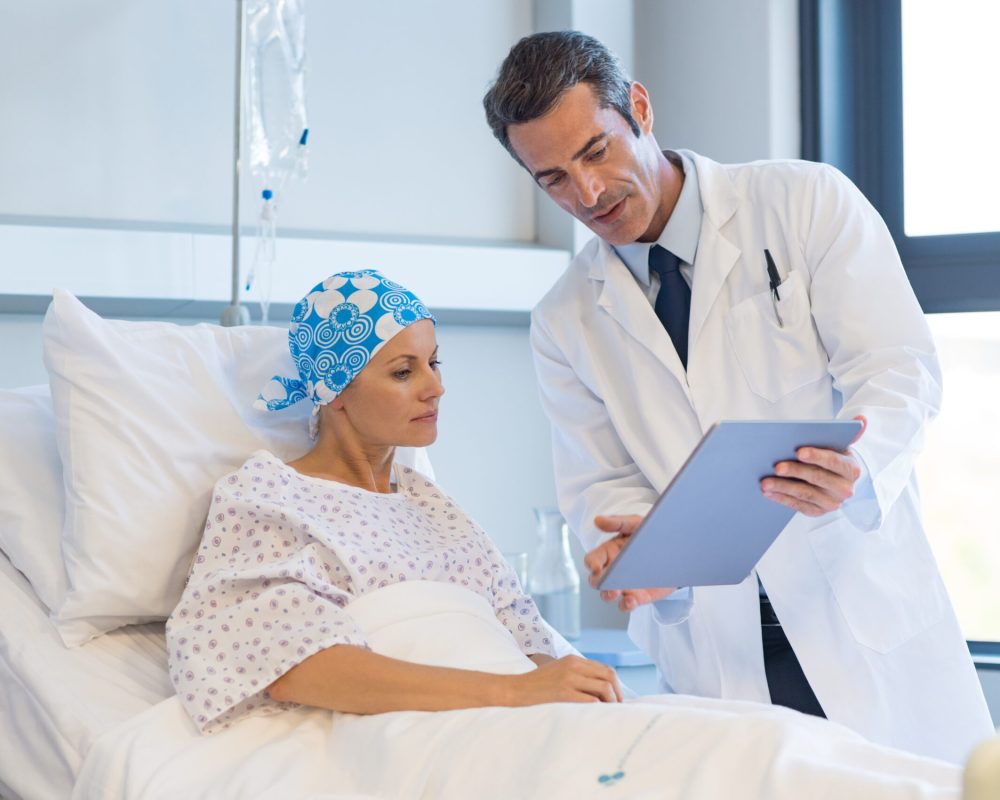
(664, 747)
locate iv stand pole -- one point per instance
(234, 313)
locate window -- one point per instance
(959, 470)
(900, 95)
(951, 117)
(913, 122)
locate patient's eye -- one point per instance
(435, 363)
(402, 374)
(553, 180)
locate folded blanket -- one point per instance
(438, 624)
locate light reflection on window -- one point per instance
(951, 116)
(959, 471)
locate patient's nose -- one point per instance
(434, 386)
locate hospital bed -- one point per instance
(99, 719)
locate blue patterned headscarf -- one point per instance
(335, 331)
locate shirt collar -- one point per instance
(680, 234)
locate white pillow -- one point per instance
(31, 490)
(149, 416)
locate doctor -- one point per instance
(671, 319)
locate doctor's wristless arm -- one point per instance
(357, 681)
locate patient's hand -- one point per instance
(572, 679)
(599, 559)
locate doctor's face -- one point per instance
(588, 160)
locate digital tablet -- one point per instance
(712, 524)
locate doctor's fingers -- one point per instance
(631, 599)
(598, 559)
(802, 497)
(835, 484)
(625, 524)
(844, 464)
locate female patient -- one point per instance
(265, 620)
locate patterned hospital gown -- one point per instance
(283, 555)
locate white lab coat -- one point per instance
(858, 591)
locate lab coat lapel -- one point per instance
(716, 255)
(625, 302)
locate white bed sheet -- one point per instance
(106, 716)
(668, 747)
(55, 702)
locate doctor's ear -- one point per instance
(642, 110)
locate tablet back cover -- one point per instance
(712, 524)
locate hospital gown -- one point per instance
(283, 555)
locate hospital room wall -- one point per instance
(119, 109)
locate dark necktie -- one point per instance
(673, 303)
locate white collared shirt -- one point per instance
(680, 234)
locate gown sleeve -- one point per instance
(262, 596)
(515, 609)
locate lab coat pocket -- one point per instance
(777, 358)
(886, 590)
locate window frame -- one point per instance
(851, 61)
(852, 70)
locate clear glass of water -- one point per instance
(555, 582)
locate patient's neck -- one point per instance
(342, 456)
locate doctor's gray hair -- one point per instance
(540, 67)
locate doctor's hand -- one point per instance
(818, 482)
(599, 559)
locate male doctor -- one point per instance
(673, 318)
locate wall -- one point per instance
(128, 117)
(722, 75)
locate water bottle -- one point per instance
(553, 582)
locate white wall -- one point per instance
(722, 75)
(122, 110)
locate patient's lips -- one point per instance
(430, 416)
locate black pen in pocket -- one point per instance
(774, 280)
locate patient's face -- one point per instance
(394, 401)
